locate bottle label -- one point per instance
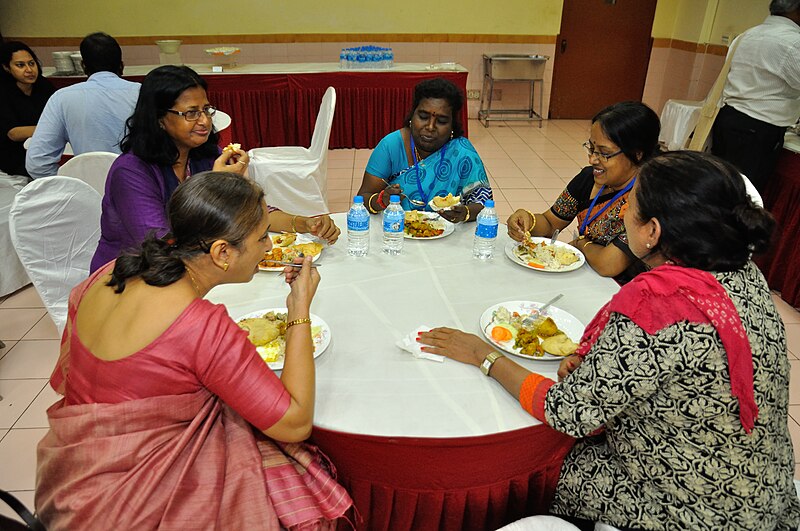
(394, 223)
(485, 230)
(354, 223)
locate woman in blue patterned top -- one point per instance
(428, 157)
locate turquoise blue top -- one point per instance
(456, 169)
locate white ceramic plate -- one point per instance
(223, 50)
(511, 247)
(439, 222)
(321, 339)
(301, 238)
(564, 320)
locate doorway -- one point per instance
(602, 54)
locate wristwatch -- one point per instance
(492, 357)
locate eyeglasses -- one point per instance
(589, 147)
(193, 116)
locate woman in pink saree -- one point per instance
(170, 419)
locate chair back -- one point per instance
(91, 167)
(55, 228)
(322, 128)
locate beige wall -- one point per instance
(35, 18)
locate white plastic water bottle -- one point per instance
(485, 232)
(358, 228)
(394, 220)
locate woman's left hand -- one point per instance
(320, 226)
(457, 214)
(455, 344)
(233, 161)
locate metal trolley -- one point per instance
(512, 68)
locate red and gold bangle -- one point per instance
(369, 204)
(380, 200)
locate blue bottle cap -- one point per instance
(358, 199)
(394, 198)
(489, 203)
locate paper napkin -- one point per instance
(410, 344)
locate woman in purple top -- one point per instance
(169, 138)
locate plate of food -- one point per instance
(426, 226)
(444, 202)
(539, 254)
(266, 329)
(286, 247)
(548, 337)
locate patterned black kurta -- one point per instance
(674, 454)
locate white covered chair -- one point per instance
(678, 120)
(91, 167)
(540, 523)
(55, 228)
(295, 178)
(12, 273)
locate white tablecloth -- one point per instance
(365, 384)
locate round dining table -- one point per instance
(423, 444)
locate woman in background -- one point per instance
(428, 157)
(623, 136)
(169, 138)
(23, 95)
(170, 418)
(679, 395)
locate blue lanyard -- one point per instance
(416, 168)
(588, 219)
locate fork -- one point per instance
(530, 320)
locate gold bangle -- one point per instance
(533, 217)
(294, 218)
(466, 218)
(302, 320)
(369, 204)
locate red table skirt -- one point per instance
(400, 483)
(281, 109)
(781, 266)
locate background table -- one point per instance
(277, 104)
(421, 444)
(781, 266)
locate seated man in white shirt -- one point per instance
(762, 94)
(90, 115)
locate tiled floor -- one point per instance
(528, 168)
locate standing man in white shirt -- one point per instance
(90, 115)
(762, 94)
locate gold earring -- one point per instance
(451, 135)
(225, 265)
(646, 245)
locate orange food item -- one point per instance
(537, 266)
(500, 333)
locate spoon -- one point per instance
(530, 320)
(555, 235)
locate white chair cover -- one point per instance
(295, 178)
(55, 227)
(12, 273)
(678, 120)
(221, 120)
(540, 523)
(752, 192)
(90, 167)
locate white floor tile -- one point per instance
(36, 414)
(17, 396)
(30, 359)
(24, 496)
(18, 459)
(44, 329)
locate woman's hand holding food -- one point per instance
(455, 344)
(456, 214)
(567, 365)
(303, 282)
(320, 226)
(518, 224)
(233, 159)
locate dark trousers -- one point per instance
(751, 145)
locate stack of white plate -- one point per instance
(63, 63)
(76, 62)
